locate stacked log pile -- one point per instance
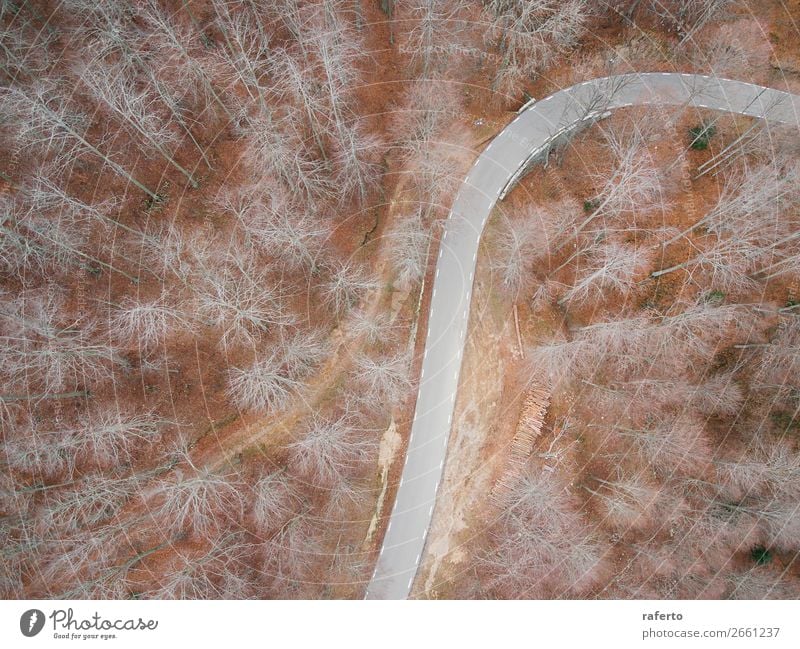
(529, 427)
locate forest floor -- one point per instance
(190, 384)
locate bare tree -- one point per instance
(556, 359)
(612, 342)
(303, 350)
(17, 555)
(670, 445)
(175, 253)
(147, 324)
(726, 262)
(194, 499)
(628, 502)
(319, 72)
(41, 237)
(434, 35)
(779, 520)
(112, 437)
(276, 225)
(330, 53)
(750, 232)
(40, 452)
(271, 381)
(171, 42)
(276, 147)
(114, 37)
(518, 246)
(541, 546)
(291, 557)
(47, 352)
(24, 49)
(385, 378)
(329, 450)
(427, 109)
(686, 17)
(17, 251)
(531, 34)
(699, 328)
(410, 243)
(424, 129)
(753, 200)
(246, 52)
(436, 171)
(760, 582)
(42, 118)
(355, 157)
(46, 193)
(86, 564)
(275, 501)
(614, 268)
(725, 55)
(778, 364)
(264, 386)
(134, 109)
(690, 16)
(349, 500)
(347, 285)
(788, 266)
(761, 472)
(630, 345)
(291, 79)
(718, 395)
(87, 503)
(235, 296)
(376, 328)
(633, 184)
(219, 572)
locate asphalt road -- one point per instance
(528, 134)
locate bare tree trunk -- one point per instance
(632, 10)
(79, 253)
(115, 166)
(196, 24)
(9, 398)
(727, 154)
(684, 264)
(387, 7)
(516, 326)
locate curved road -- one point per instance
(521, 143)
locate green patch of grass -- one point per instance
(152, 205)
(760, 555)
(590, 205)
(701, 134)
(785, 421)
(714, 297)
